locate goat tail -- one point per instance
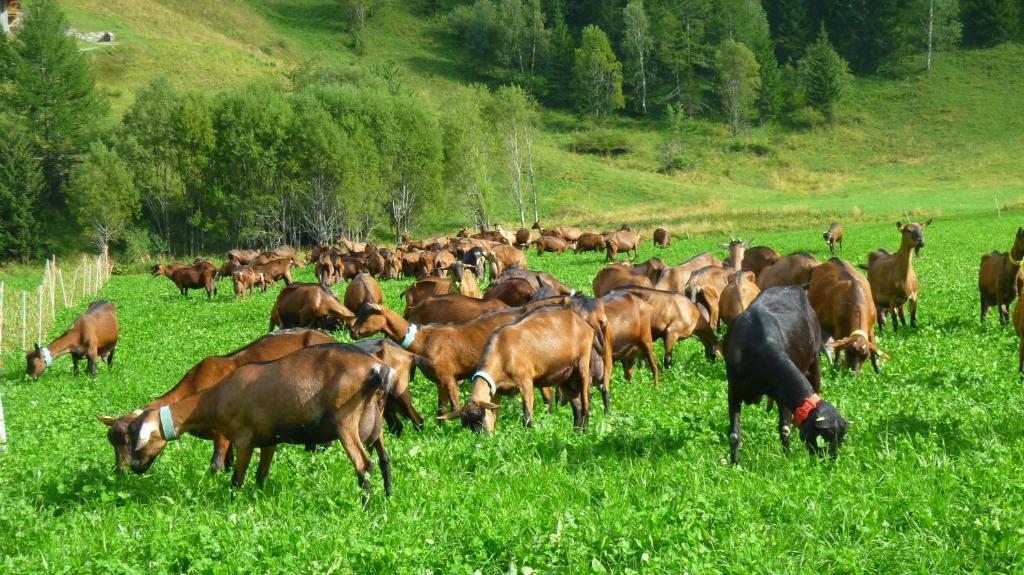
(863, 266)
(381, 377)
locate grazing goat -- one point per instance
(502, 258)
(616, 276)
(772, 350)
(309, 305)
(464, 280)
(834, 237)
(629, 320)
(276, 270)
(675, 318)
(449, 352)
(424, 288)
(757, 259)
(539, 279)
(243, 257)
(550, 346)
(552, 244)
(892, 278)
(567, 233)
(93, 335)
(792, 270)
(651, 268)
(189, 277)
(624, 240)
(674, 278)
(997, 279)
(245, 280)
(1018, 326)
(662, 239)
(589, 242)
(514, 291)
(206, 374)
(280, 253)
(477, 258)
(524, 238)
(841, 298)
(705, 288)
(451, 308)
(312, 396)
(363, 289)
(737, 296)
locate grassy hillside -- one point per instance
(938, 143)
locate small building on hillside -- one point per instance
(9, 13)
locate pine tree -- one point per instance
(824, 75)
(769, 98)
(21, 185)
(788, 20)
(989, 22)
(51, 89)
(103, 196)
(597, 75)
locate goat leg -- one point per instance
(385, 463)
(91, 363)
(244, 451)
(110, 357)
(528, 399)
(734, 429)
(266, 457)
(75, 358)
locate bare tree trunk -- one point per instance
(931, 26)
(643, 83)
(533, 179)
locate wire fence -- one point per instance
(26, 316)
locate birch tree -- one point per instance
(513, 112)
(637, 44)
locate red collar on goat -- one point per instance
(802, 412)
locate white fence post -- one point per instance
(24, 317)
(3, 428)
(63, 293)
(39, 318)
(2, 286)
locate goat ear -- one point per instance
(450, 415)
(106, 420)
(748, 243)
(926, 224)
(488, 405)
(724, 246)
(704, 312)
(899, 225)
(36, 347)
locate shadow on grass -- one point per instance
(948, 432)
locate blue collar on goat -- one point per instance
(167, 424)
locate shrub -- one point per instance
(601, 141)
(807, 117)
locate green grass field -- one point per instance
(928, 482)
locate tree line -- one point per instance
(336, 151)
(742, 60)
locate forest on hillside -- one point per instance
(351, 150)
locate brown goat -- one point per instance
(589, 242)
(363, 289)
(755, 260)
(524, 238)
(997, 279)
(539, 279)
(737, 250)
(651, 268)
(737, 296)
(629, 319)
(354, 248)
(503, 258)
(243, 256)
(314, 395)
(227, 268)
(205, 375)
(548, 347)
(280, 253)
(245, 280)
(464, 280)
(841, 298)
(674, 278)
(675, 318)
(552, 244)
(514, 292)
(308, 305)
(662, 238)
(567, 233)
(449, 352)
(424, 288)
(792, 270)
(1018, 326)
(624, 240)
(892, 278)
(276, 270)
(833, 237)
(451, 308)
(188, 277)
(616, 276)
(706, 286)
(93, 335)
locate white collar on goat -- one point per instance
(490, 381)
(859, 332)
(410, 336)
(47, 356)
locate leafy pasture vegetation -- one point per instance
(928, 481)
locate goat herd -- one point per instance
(526, 330)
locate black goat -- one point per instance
(772, 349)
